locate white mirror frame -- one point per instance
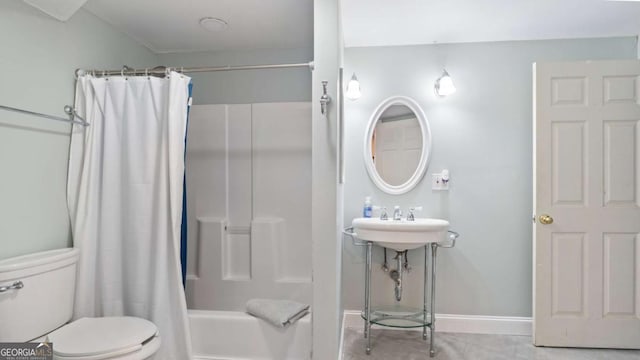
(426, 146)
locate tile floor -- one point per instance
(408, 345)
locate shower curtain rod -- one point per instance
(69, 110)
(163, 70)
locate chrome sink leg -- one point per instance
(367, 299)
(434, 248)
(366, 289)
(426, 286)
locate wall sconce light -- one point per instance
(353, 88)
(444, 85)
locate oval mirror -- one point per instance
(397, 145)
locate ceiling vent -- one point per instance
(62, 10)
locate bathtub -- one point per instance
(234, 335)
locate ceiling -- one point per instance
(172, 25)
(405, 22)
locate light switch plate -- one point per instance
(438, 184)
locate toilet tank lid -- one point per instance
(36, 259)
(101, 336)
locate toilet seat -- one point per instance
(104, 338)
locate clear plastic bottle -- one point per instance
(367, 211)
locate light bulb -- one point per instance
(353, 88)
(444, 85)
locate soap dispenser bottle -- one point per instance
(367, 211)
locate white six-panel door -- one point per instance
(587, 181)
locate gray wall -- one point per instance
(483, 135)
(247, 86)
(38, 57)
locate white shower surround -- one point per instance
(249, 234)
(249, 204)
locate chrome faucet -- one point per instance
(383, 213)
(410, 215)
(397, 213)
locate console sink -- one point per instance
(400, 235)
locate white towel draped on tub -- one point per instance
(280, 313)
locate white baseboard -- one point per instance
(341, 344)
(474, 324)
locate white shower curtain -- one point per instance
(125, 200)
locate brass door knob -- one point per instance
(545, 219)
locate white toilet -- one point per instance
(42, 307)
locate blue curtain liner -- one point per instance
(183, 230)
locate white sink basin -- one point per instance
(400, 235)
